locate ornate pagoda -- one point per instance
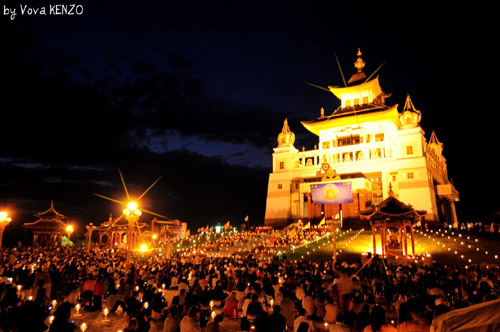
(48, 229)
(113, 232)
(393, 214)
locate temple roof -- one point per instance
(392, 210)
(353, 115)
(49, 220)
(50, 213)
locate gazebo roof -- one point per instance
(49, 220)
(392, 210)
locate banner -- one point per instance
(331, 193)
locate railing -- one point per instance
(345, 155)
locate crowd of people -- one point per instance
(262, 294)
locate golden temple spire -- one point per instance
(409, 105)
(359, 64)
(286, 137)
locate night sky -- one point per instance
(196, 92)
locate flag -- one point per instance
(308, 225)
(188, 233)
(322, 222)
(246, 218)
(272, 240)
(291, 233)
(226, 225)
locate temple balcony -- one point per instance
(448, 191)
(345, 155)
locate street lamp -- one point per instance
(90, 228)
(4, 221)
(69, 230)
(132, 214)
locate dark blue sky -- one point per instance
(153, 86)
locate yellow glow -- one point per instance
(69, 229)
(155, 236)
(144, 247)
(4, 217)
(132, 206)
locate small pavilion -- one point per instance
(393, 214)
(113, 232)
(48, 229)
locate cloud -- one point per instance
(244, 154)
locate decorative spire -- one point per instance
(409, 105)
(391, 193)
(286, 137)
(410, 117)
(359, 64)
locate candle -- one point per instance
(211, 305)
(83, 327)
(213, 314)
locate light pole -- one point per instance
(132, 214)
(4, 221)
(90, 228)
(69, 230)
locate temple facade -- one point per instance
(366, 146)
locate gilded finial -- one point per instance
(359, 64)
(391, 193)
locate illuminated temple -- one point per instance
(367, 147)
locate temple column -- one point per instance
(374, 234)
(406, 242)
(412, 240)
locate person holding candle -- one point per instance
(61, 321)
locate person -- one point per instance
(277, 322)
(419, 323)
(363, 318)
(214, 326)
(132, 325)
(157, 306)
(254, 308)
(61, 319)
(309, 304)
(303, 327)
(378, 321)
(172, 322)
(331, 311)
(190, 322)
(338, 326)
(231, 306)
(288, 309)
(98, 294)
(302, 317)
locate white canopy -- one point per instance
(483, 317)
